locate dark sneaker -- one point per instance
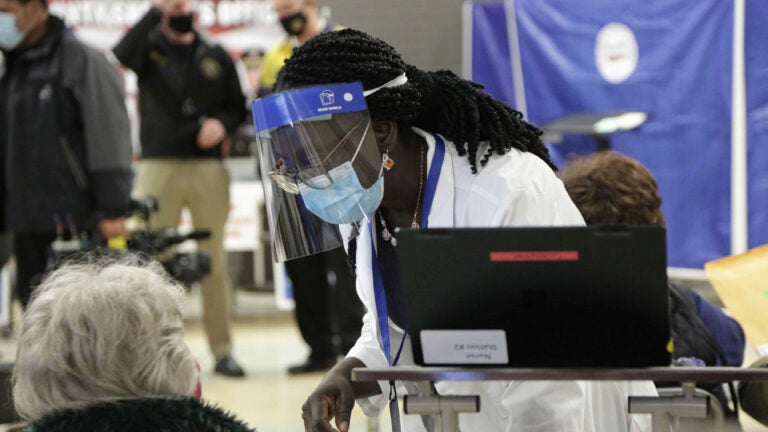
(313, 365)
(227, 366)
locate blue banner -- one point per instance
(670, 58)
(756, 58)
(490, 51)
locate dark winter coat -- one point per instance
(65, 144)
(145, 415)
(180, 86)
(694, 337)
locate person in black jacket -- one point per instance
(101, 348)
(65, 150)
(190, 100)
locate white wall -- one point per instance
(426, 32)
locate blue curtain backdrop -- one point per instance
(682, 78)
(490, 51)
(756, 55)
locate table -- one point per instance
(662, 408)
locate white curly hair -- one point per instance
(100, 332)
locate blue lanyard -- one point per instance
(378, 282)
(432, 177)
(381, 297)
(383, 319)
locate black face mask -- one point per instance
(294, 24)
(181, 23)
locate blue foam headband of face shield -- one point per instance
(306, 103)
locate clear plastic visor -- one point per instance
(298, 144)
(305, 152)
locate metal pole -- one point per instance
(447, 407)
(739, 178)
(664, 409)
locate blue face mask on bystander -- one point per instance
(10, 36)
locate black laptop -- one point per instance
(537, 297)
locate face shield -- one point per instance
(320, 163)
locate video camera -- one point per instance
(185, 267)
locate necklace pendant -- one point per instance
(385, 234)
(388, 237)
(414, 225)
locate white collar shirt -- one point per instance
(516, 189)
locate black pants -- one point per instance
(31, 250)
(328, 311)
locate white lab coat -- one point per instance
(516, 189)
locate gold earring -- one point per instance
(387, 161)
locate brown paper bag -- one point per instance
(741, 281)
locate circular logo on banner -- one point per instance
(616, 52)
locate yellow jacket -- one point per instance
(275, 58)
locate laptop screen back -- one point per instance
(537, 297)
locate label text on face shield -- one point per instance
(293, 106)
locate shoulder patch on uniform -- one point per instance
(157, 57)
(210, 68)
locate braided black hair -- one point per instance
(439, 102)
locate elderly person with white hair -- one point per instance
(101, 348)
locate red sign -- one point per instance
(526, 256)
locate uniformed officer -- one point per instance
(190, 100)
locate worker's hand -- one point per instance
(211, 133)
(113, 227)
(332, 399)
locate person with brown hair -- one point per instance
(611, 188)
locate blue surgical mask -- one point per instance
(10, 36)
(345, 200)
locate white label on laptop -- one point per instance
(464, 346)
